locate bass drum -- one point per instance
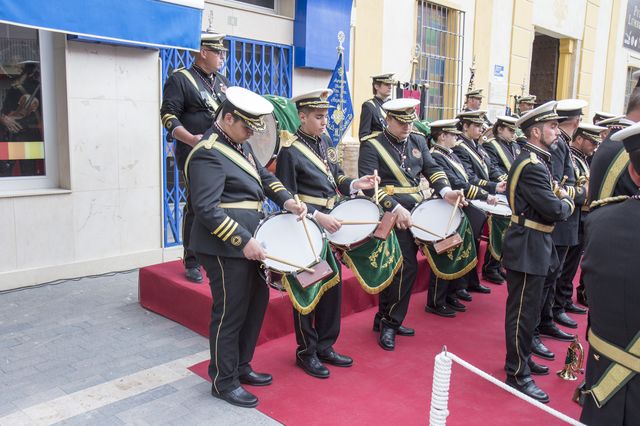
(266, 144)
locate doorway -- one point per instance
(543, 78)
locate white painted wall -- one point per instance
(111, 219)
(560, 18)
(499, 54)
(600, 62)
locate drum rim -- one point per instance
(432, 241)
(368, 237)
(307, 217)
(276, 149)
(490, 212)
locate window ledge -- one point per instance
(34, 192)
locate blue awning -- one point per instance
(153, 23)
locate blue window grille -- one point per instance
(264, 68)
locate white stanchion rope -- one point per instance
(440, 390)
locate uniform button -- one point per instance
(409, 168)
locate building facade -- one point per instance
(94, 192)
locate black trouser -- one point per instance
(240, 298)
(394, 300)
(472, 278)
(549, 290)
(317, 331)
(564, 289)
(490, 263)
(190, 260)
(441, 290)
(523, 309)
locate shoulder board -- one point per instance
(418, 132)
(489, 139)
(371, 136)
(287, 138)
(534, 158)
(178, 70)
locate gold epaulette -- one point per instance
(208, 144)
(489, 139)
(608, 200)
(287, 138)
(534, 158)
(177, 70)
(370, 136)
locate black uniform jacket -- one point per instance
(372, 117)
(188, 101)
(530, 194)
(566, 232)
(502, 152)
(214, 178)
(609, 176)
(456, 173)
(309, 166)
(418, 161)
(611, 277)
(478, 163)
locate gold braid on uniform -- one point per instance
(608, 200)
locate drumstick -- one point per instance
(422, 228)
(286, 262)
(375, 186)
(453, 213)
(306, 231)
(358, 222)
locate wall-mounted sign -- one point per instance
(632, 26)
(498, 71)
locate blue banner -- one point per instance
(341, 108)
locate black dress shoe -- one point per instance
(312, 366)
(238, 397)
(402, 330)
(387, 338)
(456, 305)
(442, 310)
(564, 319)
(574, 309)
(554, 332)
(530, 389)
(493, 277)
(539, 349)
(479, 289)
(255, 379)
(193, 274)
(334, 358)
(538, 369)
(463, 294)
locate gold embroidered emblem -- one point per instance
(387, 204)
(332, 155)
(236, 240)
(534, 158)
(169, 124)
(596, 357)
(416, 153)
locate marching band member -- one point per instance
(308, 166)
(228, 187)
(528, 250)
(372, 115)
(400, 157)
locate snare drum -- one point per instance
(434, 215)
(355, 209)
(283, 236)
(266, 144)
(501, 209)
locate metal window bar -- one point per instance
(265, 68)
(440, 37)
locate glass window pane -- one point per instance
(269, 4)
(21, 132)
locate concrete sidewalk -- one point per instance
(85, 352)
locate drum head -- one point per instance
(499, 209)
(265, 144)
(360, 209)
(434, 215)
(283, 236)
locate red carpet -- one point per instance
(164, 290)
(395, 387)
